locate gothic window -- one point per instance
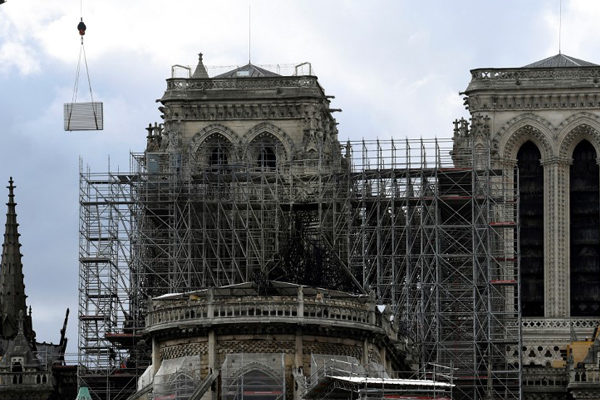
(215, 152)
(531, 217)
(585, 232)
(267, 157)
(218, 156)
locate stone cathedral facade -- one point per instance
(545, 119)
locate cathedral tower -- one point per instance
(544, 118)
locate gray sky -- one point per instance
(395, 67)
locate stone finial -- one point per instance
(200, 72)
(11, 187)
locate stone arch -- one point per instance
(523, 131)
(212, 131)
(576, 131)
(214, 135)
(256, 366)
(579, 118)
(268, 131)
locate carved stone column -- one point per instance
(509, 167)
(556, 237)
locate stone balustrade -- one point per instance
(559, 323)
(581, 375)
(545, 377)
(205, 310)
(498, 74)
(182, 84)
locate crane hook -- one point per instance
(81, 27)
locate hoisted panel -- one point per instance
(84, 116)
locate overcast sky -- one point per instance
(395, 67)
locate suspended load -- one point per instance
(83, 116)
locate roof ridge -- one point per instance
(570, 59)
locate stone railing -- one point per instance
(499, 74)
(559, 323)
(581, 375)
(245, 83)
(268, 309)
(544, 377)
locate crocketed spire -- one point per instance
(12, 287)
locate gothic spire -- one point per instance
(12, 287)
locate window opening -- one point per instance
(531, 216)
(585, 232)
(218, 156)
(267, 157)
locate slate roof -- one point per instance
(560, 61)
(247, 71)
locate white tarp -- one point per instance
(146, 378)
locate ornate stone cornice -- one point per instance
(234, 111)
(527, 101)
(246, 111)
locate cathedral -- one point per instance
(251, 253)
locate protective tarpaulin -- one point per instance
(177, 378)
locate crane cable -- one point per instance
(81, 27)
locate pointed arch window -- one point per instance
(585, 232)
(531, 217)
(218, 156)
(267, 158)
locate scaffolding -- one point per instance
(108, 333)
(430, 231)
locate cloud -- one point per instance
(15, 55)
